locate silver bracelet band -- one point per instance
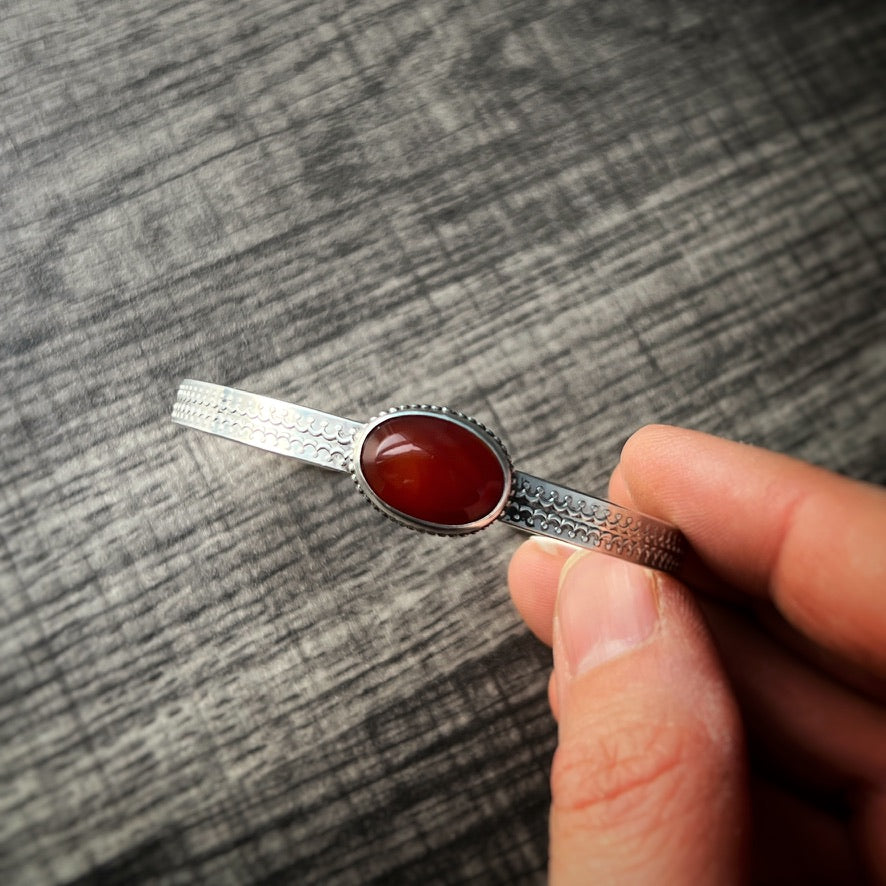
(475, 481)
(306, 434)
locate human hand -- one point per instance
(738, 731)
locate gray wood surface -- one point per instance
(568, 219)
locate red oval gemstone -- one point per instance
(430, 468)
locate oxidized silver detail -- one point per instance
(545, 508)
(306, 434)
(529, 504)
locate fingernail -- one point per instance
(552, 546)
(605, 607)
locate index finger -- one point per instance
(813, 541)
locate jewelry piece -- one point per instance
(432, 469)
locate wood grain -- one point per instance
(566, 219)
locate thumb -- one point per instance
(648, 781)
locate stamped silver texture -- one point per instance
(545, 508)
(529, 503)
(306, 434)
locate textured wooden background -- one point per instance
(567, 219)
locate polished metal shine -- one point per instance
(528, 503)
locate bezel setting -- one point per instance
(442, 413)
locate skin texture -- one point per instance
(727, 724)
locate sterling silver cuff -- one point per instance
(430, 468)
